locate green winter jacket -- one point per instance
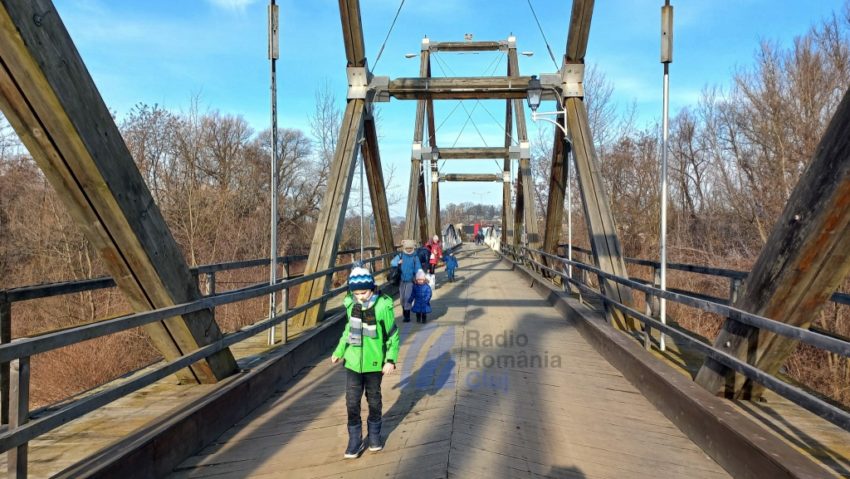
(376, 351)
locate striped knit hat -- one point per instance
(360, 278)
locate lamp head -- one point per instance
(534, 92)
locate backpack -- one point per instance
(394, 276)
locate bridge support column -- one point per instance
(377, 191)
(51, 101)
(804, 260)
(416, 220)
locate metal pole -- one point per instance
(273, 55)
(666, 59)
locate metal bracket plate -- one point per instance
(358, 82)
(572, 78)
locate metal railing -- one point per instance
(794, 394)
(21, 429)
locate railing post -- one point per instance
(734, 288)
(285, 301)
(654, 304)
(5, 338)
(19, 415)
(210, 287)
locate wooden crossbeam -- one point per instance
(468, 46)
(470, 177)
(803, 261)
(459, 88)
(53, 104)
(474, 153)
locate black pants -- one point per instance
(431, 268)
(356, 383)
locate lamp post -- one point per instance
(273, 56)
(535, 93)
(666, 59)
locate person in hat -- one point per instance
(421, 297)
(408, 264)
(368, 348)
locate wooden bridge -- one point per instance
(534, 365)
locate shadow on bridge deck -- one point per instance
(555, 408)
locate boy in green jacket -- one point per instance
(369, 349)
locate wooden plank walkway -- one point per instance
(554, 409)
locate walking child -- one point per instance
(408, 264)
(451, 265)
(369, 349)
(436, 254)
(421, 297)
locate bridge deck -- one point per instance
(568, 413)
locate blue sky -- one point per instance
(169, 51)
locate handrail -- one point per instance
(796, 395)
(29, 346)
(840, 298)
(38, 291)
(25, 347)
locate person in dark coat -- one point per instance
(421, 297)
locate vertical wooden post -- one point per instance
(5, 338)
(284, 304)
(415, 193)
(557, 192)
(19, 414)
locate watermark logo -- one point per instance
(487, 358)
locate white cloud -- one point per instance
(235, 5)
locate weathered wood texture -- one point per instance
(804, 260)
(470, 177)
(50, 99)
(742, 447)
(447, 415)
(579, 31)
(529, 211)
(557, 191)
(377, 191)
(507, 207)
(324, 247)
(459, 88)
(604, 241)
(352, 32)
(468, 46)
(413, 219)
(474, 153)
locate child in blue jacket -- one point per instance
(408, 264)
(421, 297)
(451, 265)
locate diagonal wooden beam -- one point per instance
(324, 246)
(557, 190)
(579, 31)
(604, 241)
(804, 260)
(377, 192)
(50, 99)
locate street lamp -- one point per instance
(534, 95)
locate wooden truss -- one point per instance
(49, 98)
